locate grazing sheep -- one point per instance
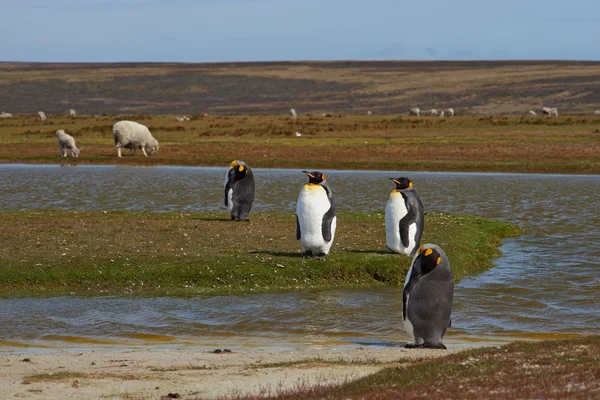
(550, 111)
(450, 112)
(442, 114)
(183, 118)
(369, 113)
(597, 112)
(42, 115)
(554, 111)
(532, 114)
(415, 111)
(72, 113)
(66, 142)
(293, 113)
(5, 115)
(131, 135)
(433, 112)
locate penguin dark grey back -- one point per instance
(239, 190)
(404, 218)
(427, 298)
(315, 216)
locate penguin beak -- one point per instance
(309, 174)
(394, 180)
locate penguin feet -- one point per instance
(413, 346)
(307, 254)
(439, 346)
(319, 256)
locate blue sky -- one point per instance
(261, 30)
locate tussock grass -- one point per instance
(46, 253)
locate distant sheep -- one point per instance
(369, 113)
(131, 135)
(433, 112)
(550, 111)
(72, 113)
(442, 114)
(450, 112)
(597, 112)
(5, 115)
(66, 142)
(532, 114)
(415, 111)
(293, 114)
(183, 118)
(42, 116)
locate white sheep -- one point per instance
(442, 114)
(415, 111)
(5, 115)
(293, 114)
(550, 111)
(450, 112)
(532, 114)
(369, 113)
(131, 135)
(66, 142)
(72, 113)
(183, 118)
(597, 112)
(42, 115)
(554, 111)
(433, 112)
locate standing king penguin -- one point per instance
(427, 298)
(315, 216)
(239, 190)
(404, 218)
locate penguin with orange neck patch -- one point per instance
(239, 190)
(315, 216)
(404, 218)
(427, 298)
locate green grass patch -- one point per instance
(48, 253)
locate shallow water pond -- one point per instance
(545, 285)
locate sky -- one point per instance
(276, 30)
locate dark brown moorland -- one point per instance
(348, 87)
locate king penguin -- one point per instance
(404, 218)
(315, 216)
(427, 298)
(239, 190)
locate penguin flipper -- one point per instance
(405, 223)
(298, 233)
(326, 224)
(228, 186)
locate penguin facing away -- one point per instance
(315, 216)
(404, 218)
(427, 298)
(239, 190)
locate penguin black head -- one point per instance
(239, 168)
(430, 258)
(402, 183)
(315, 177)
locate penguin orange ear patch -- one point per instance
(323, 175)
(439, 260)
(410, 185)
(241, 168)
(421, 249)
(428, 252)
(233, 164)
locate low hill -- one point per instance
(384, 87)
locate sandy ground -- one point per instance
(192, 373)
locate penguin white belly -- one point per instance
(312, 205)
(395, 210)
(230, 200)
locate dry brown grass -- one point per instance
(477, 87)
(502, 144)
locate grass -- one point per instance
(47, 253)
(385, 87)
(463, 143)
(524, 370)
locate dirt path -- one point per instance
(192, 373)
